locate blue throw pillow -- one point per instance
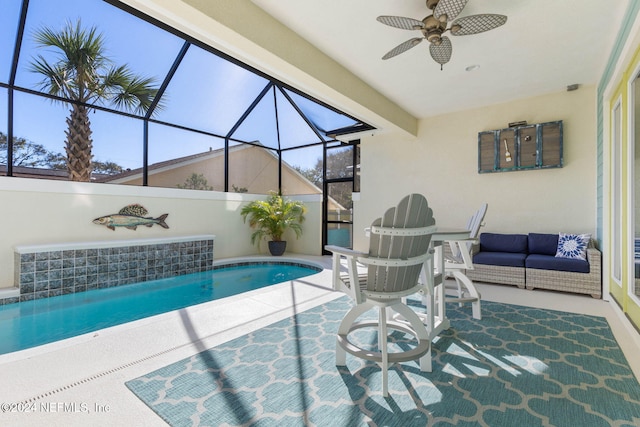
(573, 246)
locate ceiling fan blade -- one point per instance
(401, 22)
(475, 24)
(403, 47)
(451, 8)
(441, 53)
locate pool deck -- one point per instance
(81, 381)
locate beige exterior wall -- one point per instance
(250, 167)
(38, 212)
(212, 169)
(442, 163)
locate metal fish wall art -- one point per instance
(131, 217)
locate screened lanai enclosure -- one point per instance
(96, 91)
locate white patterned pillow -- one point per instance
(573, 246)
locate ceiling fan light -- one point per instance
(434, 38)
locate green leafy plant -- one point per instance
(237, 189)
(196, 181)
(272, 217)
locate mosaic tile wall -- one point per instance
(47, 274)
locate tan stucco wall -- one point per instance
(442, 164)
(252, 168)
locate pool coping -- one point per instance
(116, 243)
(288, 260)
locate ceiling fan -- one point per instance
(435, 25)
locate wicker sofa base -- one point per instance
(578, 283)
(497, 274)
(533, 278)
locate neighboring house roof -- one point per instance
(164, 165)
(44, 173)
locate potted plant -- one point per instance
(271, 218)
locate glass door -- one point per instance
(634, 172)
(342, 178)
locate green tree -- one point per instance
(237, 189)
(196, 181)
(58, 161)
(25, 153)
(31, 155)
(313, 174)
(82, 73)
(339, 165)
(107, 168)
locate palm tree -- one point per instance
(83, 74)
(272, 217)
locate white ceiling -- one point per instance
(545, 46)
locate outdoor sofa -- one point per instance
(535, 260)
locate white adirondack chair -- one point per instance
(398, 248)
(458, 259)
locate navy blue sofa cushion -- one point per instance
(551, 262)
(543, 244)
(511, 243)
(505, 259)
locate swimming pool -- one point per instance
(31, 323)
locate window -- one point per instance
(302, 170)
(342, 163)
(253, 169)
(205, 99)
(634, 188)
(616, 202)
(4, 131)
(185, 159)
(38, 150)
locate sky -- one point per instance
(207, 92)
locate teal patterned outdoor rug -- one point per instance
(517, 366)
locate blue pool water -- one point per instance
(32, 323)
